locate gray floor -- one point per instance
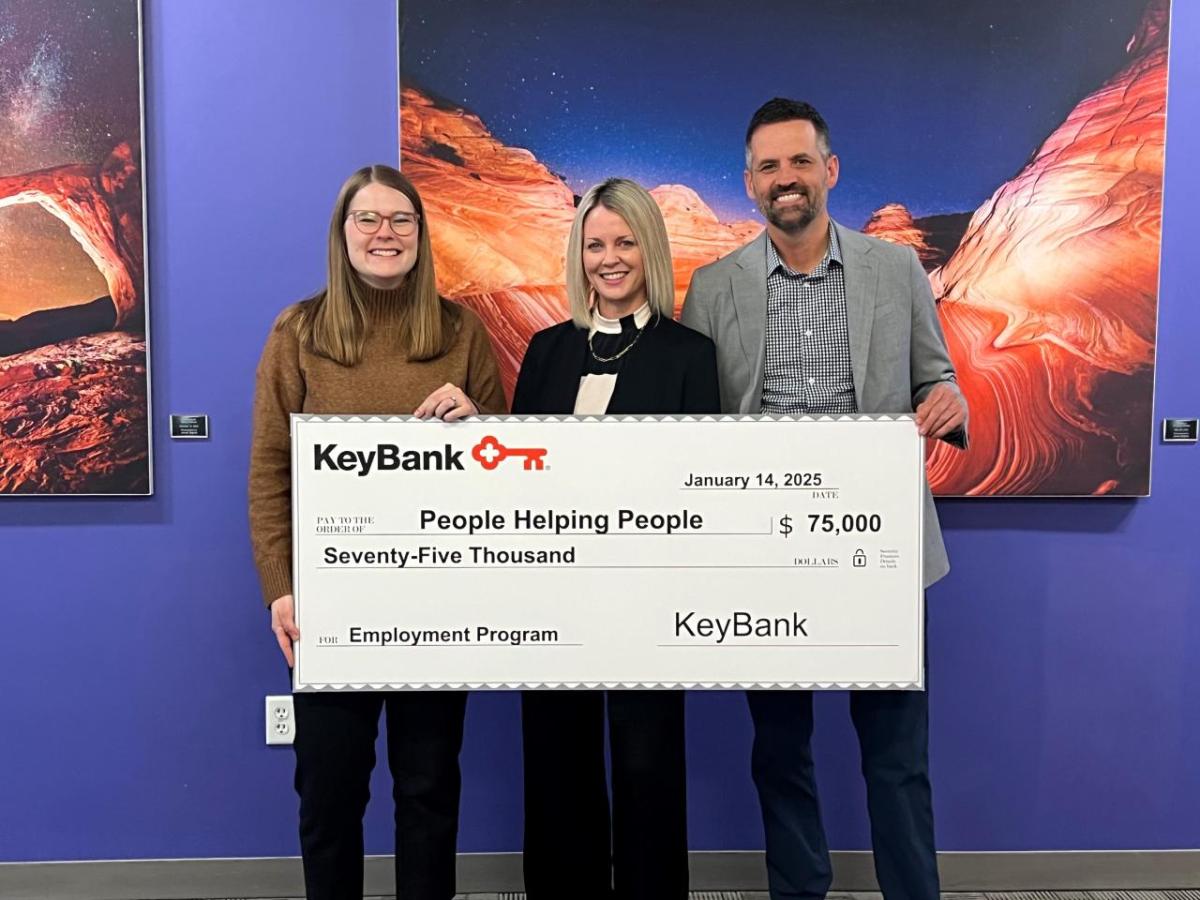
(1021, 895)
(1015, 895)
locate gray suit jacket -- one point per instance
(897, 350)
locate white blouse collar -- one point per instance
(641, 316)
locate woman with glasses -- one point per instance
(376, 340)
(619, 353)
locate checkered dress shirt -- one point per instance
(807, 369)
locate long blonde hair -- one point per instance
(633, 203)
(333, 323)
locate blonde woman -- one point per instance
(620, 352)
(377, 340)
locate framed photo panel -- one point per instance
(74, 366)
(1016, 147)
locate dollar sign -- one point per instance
(785, 525)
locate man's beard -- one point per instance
(795, 218)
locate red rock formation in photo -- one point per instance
(102, 208)
(697, 236)
(513, 315)
(73, 417)
(499, 219)
(73, 412)
(1050, 301)
(895, 223)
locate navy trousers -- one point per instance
(335, 753)
(893, 731)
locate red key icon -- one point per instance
(489, 453)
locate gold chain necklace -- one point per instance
(608, 359)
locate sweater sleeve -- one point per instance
(279, 391)
(483, 374)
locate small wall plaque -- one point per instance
(1180, 431)
(189, 427)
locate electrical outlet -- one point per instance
(281, 720)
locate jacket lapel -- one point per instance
(637, 386)
(563, 385)
(748, 283)
(862, 285)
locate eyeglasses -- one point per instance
(368, 222)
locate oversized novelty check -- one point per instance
(508, 552)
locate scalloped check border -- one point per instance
(621, 685)
(608, 420)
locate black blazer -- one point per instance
(672, 370)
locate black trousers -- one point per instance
(571, 849)
(893, 734)
(335, 753)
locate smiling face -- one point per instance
(381, 259)
(612, 261)
(789, 177)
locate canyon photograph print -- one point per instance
(74, 390)
(1016, 147)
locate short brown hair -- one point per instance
(781, 109)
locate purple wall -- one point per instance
(135, 652)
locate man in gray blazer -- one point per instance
(813, 318)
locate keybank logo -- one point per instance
(489, 453)
(385, 458)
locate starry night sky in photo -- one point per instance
(69, 93)
(68, 81)
(932, 103)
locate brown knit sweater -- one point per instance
(290, 379)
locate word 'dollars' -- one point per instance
(384, 458)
